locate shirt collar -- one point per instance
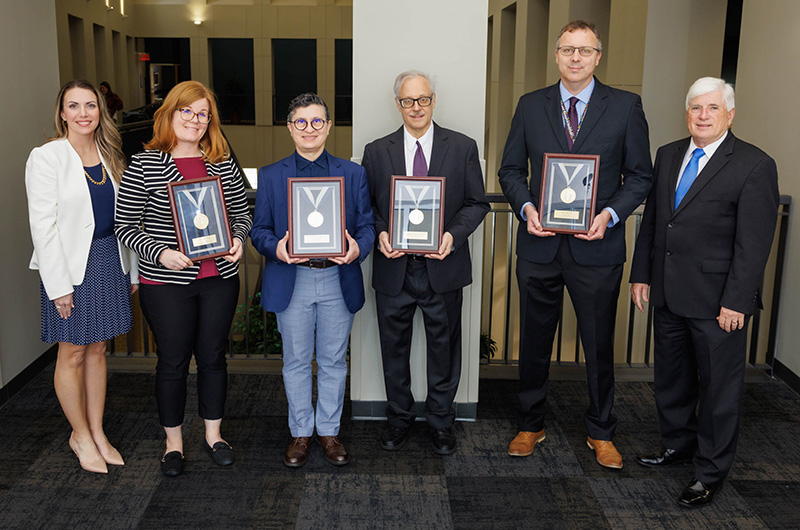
(711, 148)
(303, 163)
(425, 140)
(584, 95)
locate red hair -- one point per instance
(215, 148)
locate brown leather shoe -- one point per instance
(524, 443)
(335, 452)
(607, 455)
(296, 454)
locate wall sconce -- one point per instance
(197, 22)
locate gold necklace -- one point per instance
(103, 181)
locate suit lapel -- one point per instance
(553, 111)
(334, 163)
(396, 152)
(439, 151)
(170, 169)
(596, 108)
(711, 169)
(674, 170)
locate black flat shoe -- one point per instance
(697, 494)
(664, 459)
(394, 438)
(443, 441)
(172, 464)
(221, 453)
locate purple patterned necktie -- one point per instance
(572, 114)
(420, 166)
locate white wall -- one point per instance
(29, 87)
(770, 42)
(447, 39)
(683, 43)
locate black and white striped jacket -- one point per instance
(143, 218)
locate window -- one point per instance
(294, 71)
(233, 80)
(344, 82)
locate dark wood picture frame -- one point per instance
(296, 251)
(210, 223)
(560, 215)
(437, 212)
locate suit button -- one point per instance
(669, 253)
(670, 225)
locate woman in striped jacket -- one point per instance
(189, 306)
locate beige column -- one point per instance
(446, 39)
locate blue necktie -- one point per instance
(689, 174)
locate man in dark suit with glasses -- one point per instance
(577, 115)
(434, 281)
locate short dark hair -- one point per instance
(575, 25)
(105, 84)
(306, 100)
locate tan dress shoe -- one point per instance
(335, 452)
(607, 455)
(524, 443)
(297, 453)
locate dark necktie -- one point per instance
(572, 114)
(420, 168)
(689, 174)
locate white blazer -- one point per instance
(61, 218)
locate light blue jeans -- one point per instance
(317, 304)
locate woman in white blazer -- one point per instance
(71, 182)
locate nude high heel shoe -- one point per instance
(109, 453)
(97, 465)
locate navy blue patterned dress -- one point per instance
(103, 301)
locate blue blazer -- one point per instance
(272, 221)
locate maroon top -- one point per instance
(192, 168)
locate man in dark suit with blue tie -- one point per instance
(705, 238)
(580, 115)
(433, 282)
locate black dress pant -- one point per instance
(699, 381)
(185, 319)
(441, 313)
(594, 292)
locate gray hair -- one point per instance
(411, 74)
(706, 85)
(306, 100)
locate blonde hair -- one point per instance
(213, 145)
(106, 135)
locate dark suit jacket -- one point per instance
(614, 128)
(454, 156)
(272, 221)
(712, 250)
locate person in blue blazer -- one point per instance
(314, 299)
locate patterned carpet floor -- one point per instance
(480, 487)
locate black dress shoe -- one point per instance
(443, 441)
(172, 464)
(394, 438)
(221, 453)
(697, 494)
(667, 458)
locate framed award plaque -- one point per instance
(200, 218)
(316, 217)
(415, 219)
(568, 195)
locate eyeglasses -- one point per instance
(188, 114)
(424, 101)
(585, 51)
(301, 125)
